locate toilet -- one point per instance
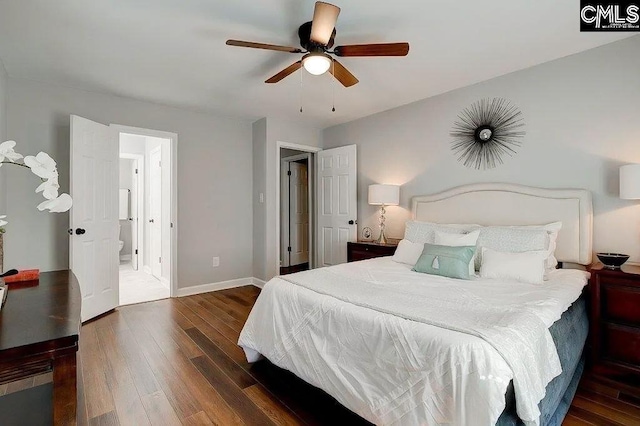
(120, 242)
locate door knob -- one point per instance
(80, 231)
(150, 220)
(352, 222)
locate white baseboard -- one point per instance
(125, 257)
(257, 282)
(147, 269)
(222, 285)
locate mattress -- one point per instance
(392, 369)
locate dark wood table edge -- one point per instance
(58, 356)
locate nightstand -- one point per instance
(615, 320)
(363, 250)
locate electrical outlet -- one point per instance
(216, 261)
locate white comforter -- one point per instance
(399, 347)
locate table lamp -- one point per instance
(630, 182)
(383, 195)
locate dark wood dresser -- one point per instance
(615, 320)
(39, 331)
(363, 250)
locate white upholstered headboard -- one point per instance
(508, 204)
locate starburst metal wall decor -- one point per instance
(486, 131)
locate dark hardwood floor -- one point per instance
(176, 361)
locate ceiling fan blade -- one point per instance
(342, 74)
(285, 72)
(325, 16)
(381, 49)
(251, 44)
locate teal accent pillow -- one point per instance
(446, 261)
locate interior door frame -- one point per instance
(152, 264)
(312, 198)
(285, 201)
(173, 168)
(139, 162)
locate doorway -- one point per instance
(296, 212)
(144, 218)
(94, 231)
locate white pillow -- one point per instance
(552, 229)
(511, 240)
(408, 252)
(424, 232)
(457, 240)
(527, 267)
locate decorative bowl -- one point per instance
(612, 260)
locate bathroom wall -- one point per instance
(126, 179)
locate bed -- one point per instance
(399, 347)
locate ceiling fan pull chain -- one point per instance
(301, 72)
(333, 86)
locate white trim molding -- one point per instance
(257, 282)
(221, 285)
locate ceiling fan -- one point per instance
(316, 38)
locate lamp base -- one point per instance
(382, 239)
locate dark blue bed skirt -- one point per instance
(569, 334)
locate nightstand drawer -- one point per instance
(621, 303)
(621, 343)
(366, 250)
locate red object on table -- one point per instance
(25, 275)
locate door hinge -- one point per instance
(159, 260)
(288, 172)
(288, 248)
(136, 171)
(136, 251)
(159, 163)
(171, 224)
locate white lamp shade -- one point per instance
(379, 194)
(630, 182)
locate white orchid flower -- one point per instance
(7, 152)
(58, 205)
(2, 221)
(49, 188)
(42, 165)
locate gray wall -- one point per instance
(126, 182)
(267, 132)
(214, 179)
(3, 134)
(259, 141)
(581, 116)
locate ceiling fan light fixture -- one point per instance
(316, 63)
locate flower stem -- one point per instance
(15, 164)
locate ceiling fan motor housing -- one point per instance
(304, 32)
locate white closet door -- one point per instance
(337, 203)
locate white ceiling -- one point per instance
(173, 51)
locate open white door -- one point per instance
(155, 212)
(94, 215)
(337, 203)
